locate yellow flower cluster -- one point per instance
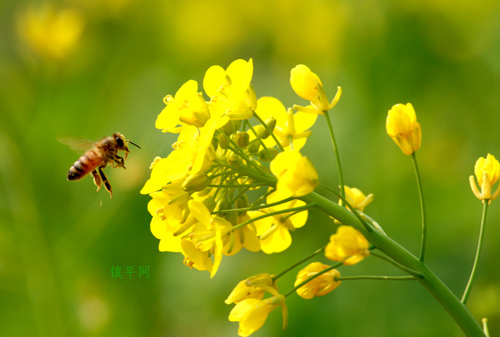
(234, 143)
(199, 205)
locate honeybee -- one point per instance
(103, 153)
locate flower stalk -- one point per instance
(478, 253)
(455, 308)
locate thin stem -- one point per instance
(478, 253)
(255, 208)
(298, 263)
(337, 156)
(485, 327)
(397, 265)
(237, 150)
(422, 207)
(238, 185)
(288, 210)
(267, 179)
(269, 130)
(372, 277)
(261, 141)
(352, 209)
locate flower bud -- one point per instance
(268, 155)
(253, 147)
(196, 182)
(242, 201)
(318, 286)
(262, 131)
(403, 128)
(234, 160)
(242, 139)
(223, 141)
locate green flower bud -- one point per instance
(268, 155)
(197, 182)
(223, 141)
(242, 139)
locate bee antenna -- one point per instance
(128, 141)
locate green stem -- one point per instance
(352, 209)
(397, 265)
(456, 309)
(240, 153)
(298, 263)
(422, 207)
(269, 130)
(478, 253)
(259, 139)
(370, 277)
(337, 156)
(264, 177)
(288, 210)
(238, 185)
(256, 207)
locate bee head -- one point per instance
(122, 142)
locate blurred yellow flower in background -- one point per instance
(51, 33)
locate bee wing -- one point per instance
(78, 145)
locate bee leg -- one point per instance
(97, 179)
(119, 162)
(105, 180)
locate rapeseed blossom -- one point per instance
(487, 171)
(356, 198)
(307, 85)
(197, 189)
(403, 128)
(252, 313)
(296, 174)
(347, 245)
(319, 286)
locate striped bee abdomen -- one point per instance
(84, 165)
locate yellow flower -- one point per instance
(274, 231)
(318, 286)
(209, 235)
(187, 108)
(347, 245)
(296, 175)
(230, 90)
(403, 128)
(252, 287)
(307, 85)
(356, 198)
(188, 158)
(50, 32)
(252, 313)
(243, 237)
(288, 125)
(487, 173)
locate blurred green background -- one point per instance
(89, 68)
